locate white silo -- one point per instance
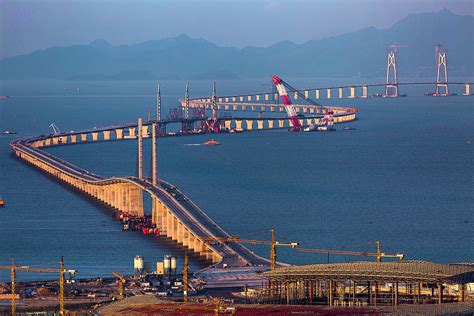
(173, 264)
(138, 264)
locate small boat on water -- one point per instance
(4, 97)
(347, 128)
(211, 142)
(7, 132)
(2, 202)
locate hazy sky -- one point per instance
(27, 25)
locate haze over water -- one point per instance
(404, 176)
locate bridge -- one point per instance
(173, 213)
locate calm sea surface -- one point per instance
(404, 176)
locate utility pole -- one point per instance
(140, 149)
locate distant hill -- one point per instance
(362, 53)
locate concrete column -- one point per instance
(95, 136)
(83, 138)
(238, 125)
(267, 97)
(257, 97)
(106, 135)
(226, 107)
(47, 142)
(244, 108)
(317, 94)
(131, 132)
(227, 124)
(235, 107)
(365, 92)
(272, 109)
(55, 140)
(329, 93)
(270, 124)
(260, 124)
(73, 139)
(467, 90)
(308, 121)
(249, 124)
(119, 133)
(340, 93)
(263, 108)
(331, 290)
(352, 93)
(241, 99)
(254, 108)
(281, 123)
(282, 109)
(145, 131)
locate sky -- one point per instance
(29, 25)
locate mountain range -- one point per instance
(361, 53)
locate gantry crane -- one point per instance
(55, 128)
(379, 254)
(13, 268)
(121, 282)
(273, 244)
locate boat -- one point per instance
(4, 97)
(347, 128)
(7, 132)
(2, 202)
(211, 142)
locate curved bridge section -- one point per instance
(177, 217)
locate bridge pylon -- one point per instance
(391, 83)
(441, 72)
(186, 126)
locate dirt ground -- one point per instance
(149, 305)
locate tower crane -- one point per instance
(379, 254)
(121, 282)
(273, 244)
(13, 268)
(290, 110)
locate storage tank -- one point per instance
(159, 268)
(173, 264)
(138, 264)
(167, 263)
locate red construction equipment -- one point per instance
(280, 84)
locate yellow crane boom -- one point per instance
(379, 254)
(273, 244)
(121, 282)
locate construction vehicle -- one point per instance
(273, 244)
(62, 271)
(379, 254)
(121, 283)
(325, 125)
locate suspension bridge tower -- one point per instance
(442, 89)
(391, 84)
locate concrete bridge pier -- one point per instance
(352, 93)
(270, 124)
(249, 124)
(365, 93)
(328, 93)
(317, 94)
(119, 134)
(340, 93)
(467, 90)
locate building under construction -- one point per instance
(370, 283)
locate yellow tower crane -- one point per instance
(121, 282)
(273, 244)
(185, 278)
(379, 254)
(13, 268)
